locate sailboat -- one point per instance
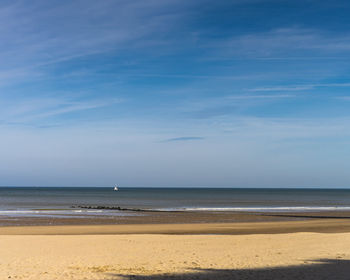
(116, 188)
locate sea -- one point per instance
(63, 201)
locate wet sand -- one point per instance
(315, 225)
(173, 218)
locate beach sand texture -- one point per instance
(158, 256)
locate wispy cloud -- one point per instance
(346, 98)
(262, 96)
(187, 138)
(281, 129)
(300, 87)
(229, 105)
(27, 111)
(290, 88)
(74, 29)
(292, 41)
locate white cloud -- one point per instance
(288, 88)
(26, 111)
(262, 96)
(40, 33)
(300, 87)
(288, 42)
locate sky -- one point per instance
(175, 93)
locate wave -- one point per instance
(260, 209)
(61, 213)
(98, 212)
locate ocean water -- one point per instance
(58, 202)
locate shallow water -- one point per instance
(38, 201)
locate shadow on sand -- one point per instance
(321, 270)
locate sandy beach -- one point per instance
(177, 245)
(145, 252)
(174, 139)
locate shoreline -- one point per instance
(242, 228)
(187, 217)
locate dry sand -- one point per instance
(158, 256)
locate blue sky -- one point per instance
(241, 93)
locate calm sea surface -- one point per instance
(34, 201)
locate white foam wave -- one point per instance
(61, 213)
(260, 209)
